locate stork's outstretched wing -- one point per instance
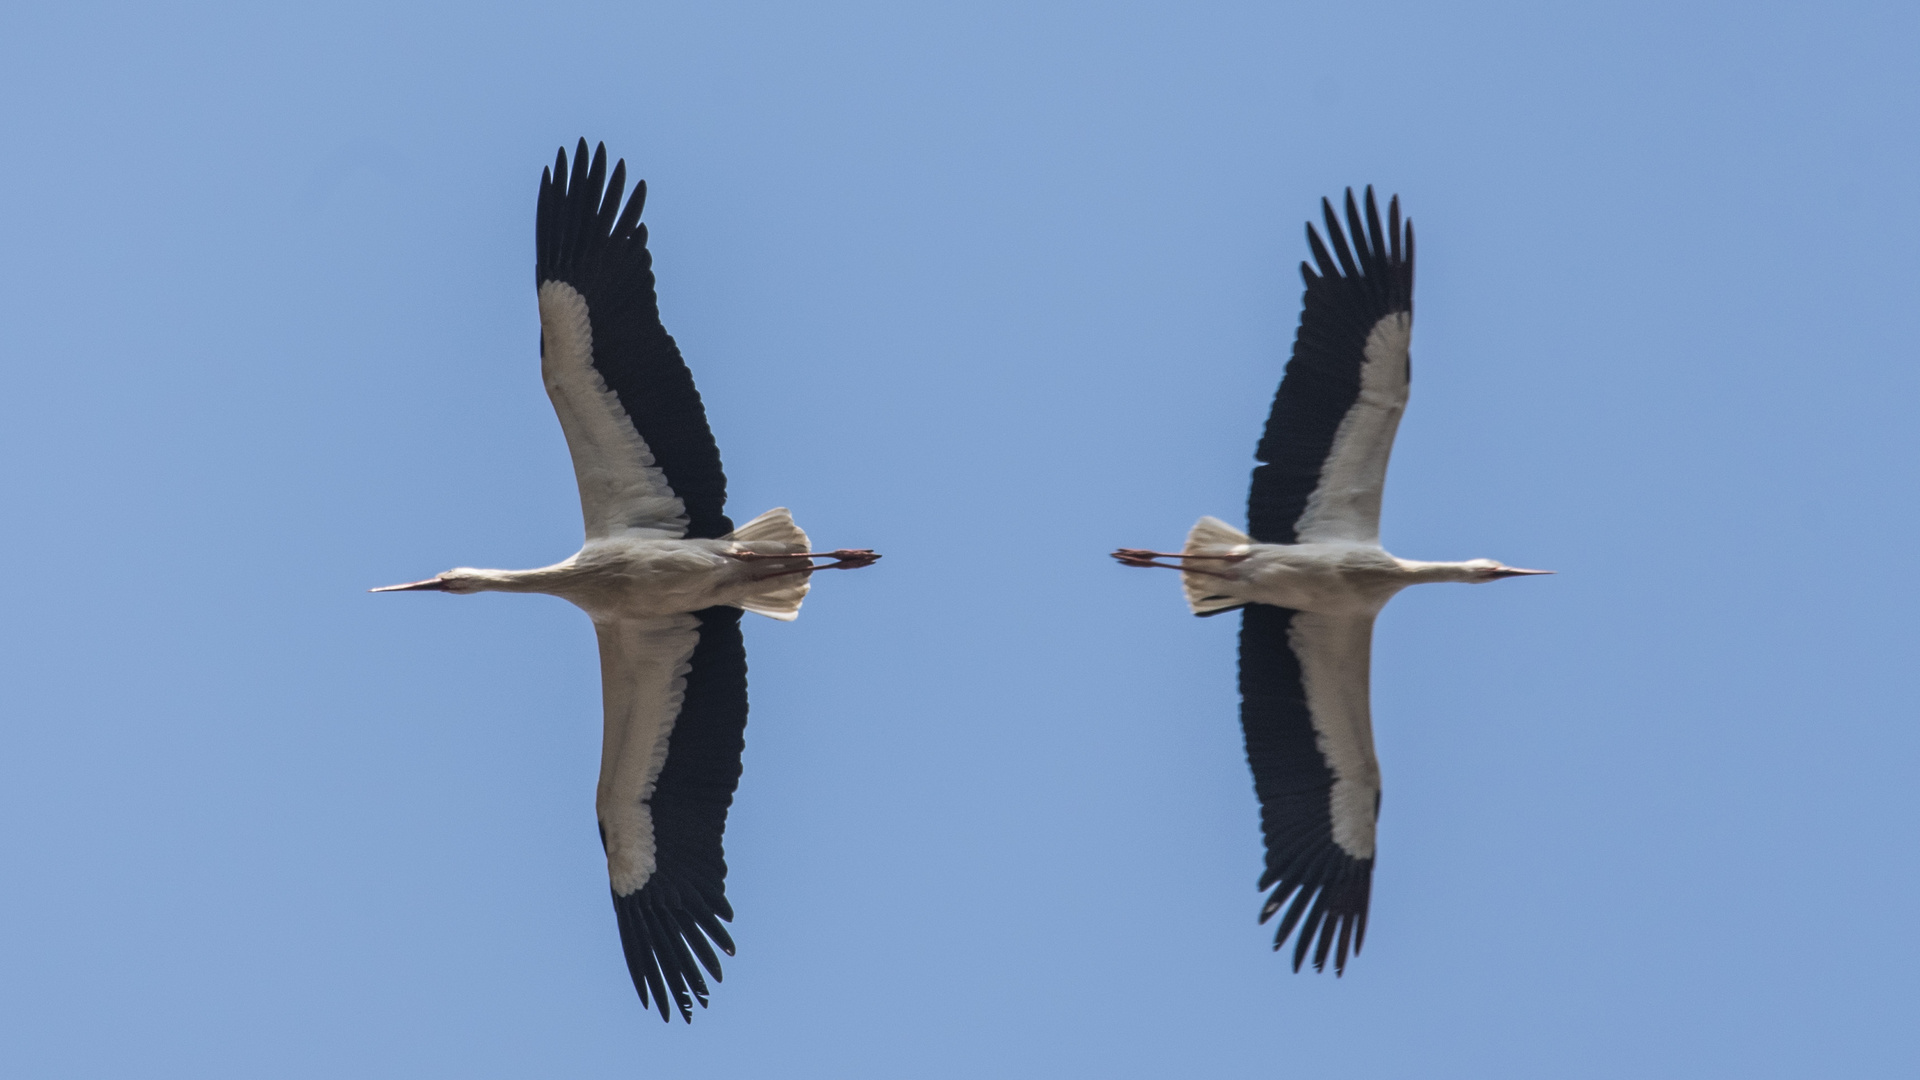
(1334, 417)
(676, 715)
(1303, 706)
(642, 452)
(675, 687)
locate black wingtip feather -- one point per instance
(643, 967)
(1337, 239)
(596, 179)
(1325, 944)
(690, 932)
(1304, 941)
(624, 228)
(1361, 250)
(665, 934)
(1335, 916)
(1376, 236)
(1393, 229)
(1292, 917)
(710, 925)
(1328, 268)
(1409, 265)
(610, 203)
(577, 178)
(676, 965)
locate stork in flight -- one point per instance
(1311, 577)
(664, 575)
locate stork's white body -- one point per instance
(1325, 578)
(632, 577)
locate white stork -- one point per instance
(1312, 576)
(663, 574)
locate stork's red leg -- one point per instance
(1144, 558)
(844, 559)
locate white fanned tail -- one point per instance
(782, 600)
(1211, 536)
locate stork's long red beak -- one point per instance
(429, 585)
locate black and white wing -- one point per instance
(1304, 676)
(1334, 417)
(676, 705)
(1303, 707)
(675, 687)
(642, 452)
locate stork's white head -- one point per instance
(1481, 571)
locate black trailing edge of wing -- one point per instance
(1327, 887)
(666, 926)
(1354, 288)
(582, 237)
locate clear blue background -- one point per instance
(992, 288)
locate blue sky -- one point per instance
(992, 288)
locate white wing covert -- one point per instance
(622, 491)
(643, 684)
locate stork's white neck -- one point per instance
(1421, 573)
(547, 579)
